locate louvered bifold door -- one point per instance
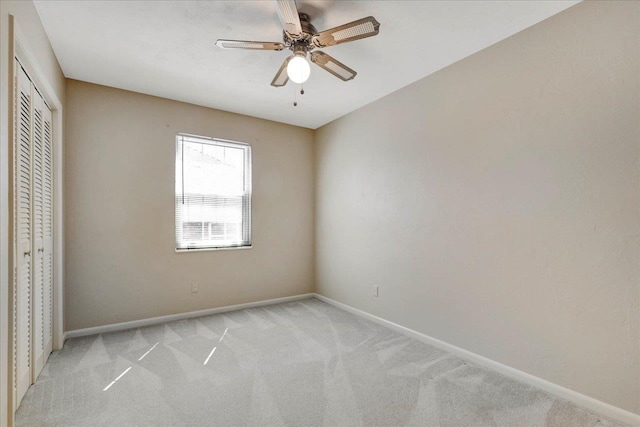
(22, 223)
(47, 227)
(37, 205)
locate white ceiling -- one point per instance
(166, 48)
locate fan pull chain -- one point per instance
(295, 95)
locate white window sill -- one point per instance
(230, 248)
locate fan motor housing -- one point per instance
(304, 39)
(305, 23)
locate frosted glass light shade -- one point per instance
(298, 69)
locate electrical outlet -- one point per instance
(375, 291)
(194, 288)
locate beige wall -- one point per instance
(120, 258)
(497, 203)
(33, 33)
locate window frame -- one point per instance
(248, 189)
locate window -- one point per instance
(213, 193)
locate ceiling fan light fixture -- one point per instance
(300, 36)
(298, 68)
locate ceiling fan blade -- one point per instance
(245, 44)
(356, 30)
(281, 77)
(333, 66)
(288, 14)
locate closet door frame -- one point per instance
(19, 48)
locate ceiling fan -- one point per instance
(301, 37)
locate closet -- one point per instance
(33, 233)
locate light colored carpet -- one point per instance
(297, 364)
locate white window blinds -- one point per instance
(213, 193)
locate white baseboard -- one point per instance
(179, 316)
(551, 388)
